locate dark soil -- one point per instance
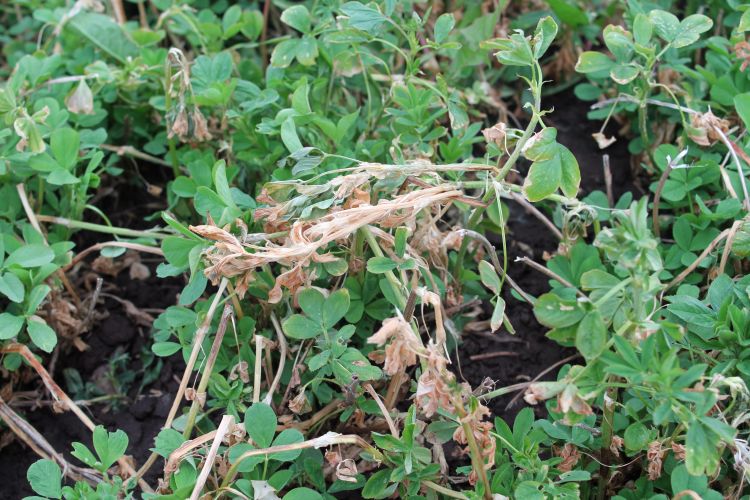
(529, 237)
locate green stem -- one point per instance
(509, 164)
(100, 228)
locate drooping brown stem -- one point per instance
(206, 376)
(33, 220)
(29, 435)
(118, 244)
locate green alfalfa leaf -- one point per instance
(287, 437)
(300, 327)
(542, 145)
(284, 53)
(558, 311)
(45, 478)
(10, 325)
(32, 255)
(489, 276)
(690, 30)
(701, 450)
(570, 178)
(298, 17)
(165, 349)
(619, 41)
(624, 73)
(665, 24)
(64, 145)
(636, 437)
(569, 12)
(544, 35)
(105, 34)
(303, 493)
(363, 17)
(594, 62)
(642, 29)
(219, 174)
(289, 135)
(41, 334)
(399, 244)
(591, 336)
(260, 423)
(498, 314)
(742, 105)
(443, 27)
(744, 24)
(12, 287)
(109, 446)
(543, 179)
(335, 307)
(380, 265)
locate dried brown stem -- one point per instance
(533, 264)
(728, 246)
(536, 213)
(608, 180)
(540, 375)
(392, 426)
(657, 198)
(490, 355)
(35, 224)
(226, 423)
(29, 435)
(121, 244)
(282, 359)
(206, 376)
(200, 334)
(696, 262)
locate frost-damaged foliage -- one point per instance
(333, 175)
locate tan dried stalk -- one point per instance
(200, 334)
(282, 359)
(226, 423)
(206, 376)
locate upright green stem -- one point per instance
(476, 216)
(476, 455)
(101, 228)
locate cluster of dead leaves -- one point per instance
(230, 257)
